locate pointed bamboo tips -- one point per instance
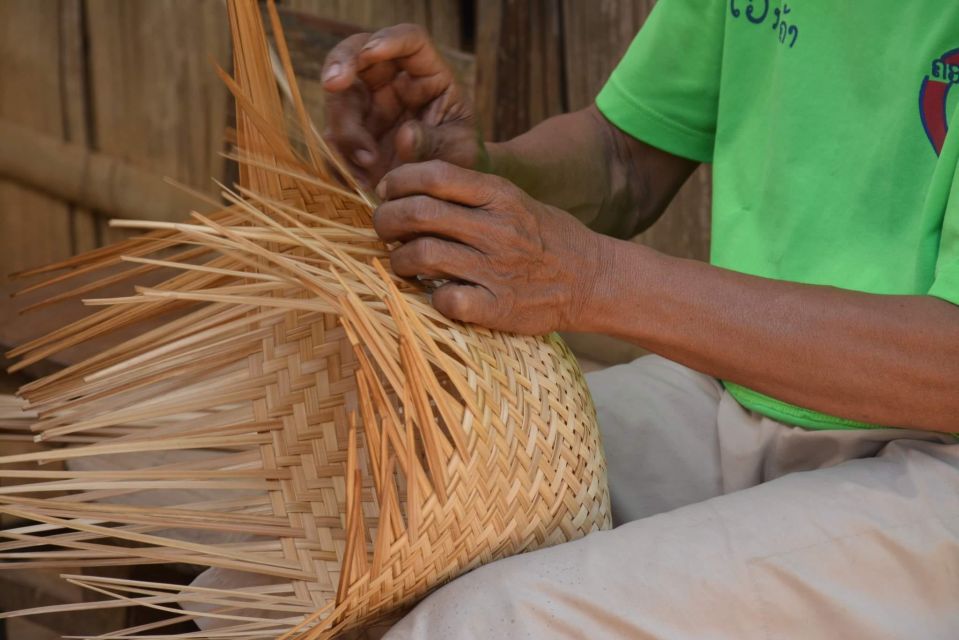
(288, 416)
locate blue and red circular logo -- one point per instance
(934, 97)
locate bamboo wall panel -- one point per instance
(520, 73)
(155, 99)
(441, 17)
(133, 78)
(75, 100)
(36, 228)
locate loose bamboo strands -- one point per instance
(122, 276)
(162, 594)
(268, 598)
(151, 381)
(93, 326)
(162, 547)
(242, 511)
(186, 442)
(139, 485)
(304, 178)
(226, 325)
(312, 142)
(42, 387)
(103, 257)
(249, 232)
(189, 399)
(402, 448)
(155, 603)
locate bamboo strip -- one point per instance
(351, 442)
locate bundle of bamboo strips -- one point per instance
(351, 448)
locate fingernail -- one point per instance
(363, 157)
(381, 189)
(372, 43)
(334, 70)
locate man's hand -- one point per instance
(391, 99)
(513, 263)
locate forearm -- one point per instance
(890, 360)
(582, 164)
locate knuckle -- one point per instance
(382, 219)
(434, 173)
(426, 251)
(457, 303)
(503, 189)
(420, 210)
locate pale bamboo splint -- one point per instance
(350, 447)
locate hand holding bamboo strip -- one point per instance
(350, 449)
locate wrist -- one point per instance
(621, 272)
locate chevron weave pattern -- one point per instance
(326, 435)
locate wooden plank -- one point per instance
(156, 100)
(596, 35)
(489, 16)
(87, 178)
(446, 22)
(73, 96)
(519, 65)
(35, 228)
(441, 17)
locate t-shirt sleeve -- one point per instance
(945, 181)
(946, 283)
(665, 90)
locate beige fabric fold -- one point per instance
(736, 526)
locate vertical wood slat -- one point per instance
(156, 101)
(36, 228)
(441, 17)
(153, 100)
(519, 65)
(84, 229)
(596, 35)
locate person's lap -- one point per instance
(764, 530)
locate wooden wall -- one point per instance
(535, 59)
(129, 78)
(133, 78)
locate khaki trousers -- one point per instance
(730, 525)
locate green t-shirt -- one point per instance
(827, 126)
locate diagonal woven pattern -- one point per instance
(337, 441)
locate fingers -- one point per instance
(377, 59)
(409, 46)
(464, 299)
(346, 130)
(444, 181)
(412, 142)
(466, 303)
(437, 259)
(339, 68)
(405, 219)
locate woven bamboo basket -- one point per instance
(350, 449)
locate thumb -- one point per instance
(415, 142)
(453, 142)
